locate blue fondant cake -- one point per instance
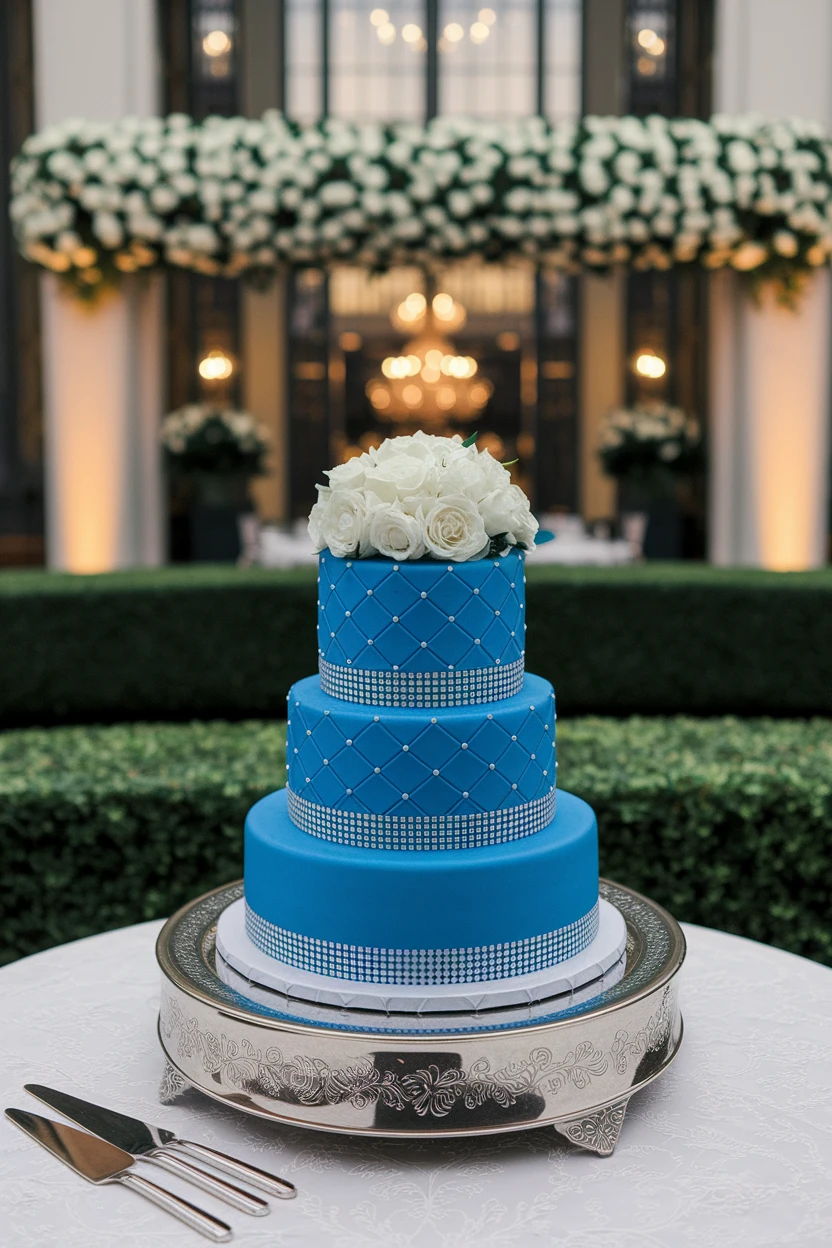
(418, 840)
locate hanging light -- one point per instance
(649, 364)
(216, 366)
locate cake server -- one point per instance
(100, 1162)
(154, 1144)
(135, 1138)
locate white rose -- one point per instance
(348, 476)
(507, 511)
(465, 476)
(344, 524)
(401, 476)
(454, 530)
(394, 533)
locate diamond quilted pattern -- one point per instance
(398, 607)
(449, 761)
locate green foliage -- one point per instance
(726, 822)
(204, 641)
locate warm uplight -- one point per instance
(216, 366)
(649, 364)
(487, 16)
(379, 17)
(412, 395)
(453, 32)
(216, 43)
(411, 33)
(350, 340)
(443, 306)
(445, 398)
(380, 398)
(646, 38)
(479, 32)
(508, 340)
(645, 66)
(386, 33)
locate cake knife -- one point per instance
(100, 1162)
(154, 1143)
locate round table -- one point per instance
(732, 1146)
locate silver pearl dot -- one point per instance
(514, 786)
(309, 732)
(464, 794)
(512, 584)
(375, 719)
(395, 667)
(395, 567)
(332, 634)
(369, 641)
(348, 614)
(512, 632)
(395, 619)
(476, 641)
(436, 771)
(296, 749)
(489, 716)
(450, 667)
(450, 567)
(405, 796)
(545, 772)
(349, 792)
(476, 591)
(465, 745)
(377, 770)
(405, 748)
(491, 766)
(424, 645)
(349, 660)
(533, 756)
(308, 781)
(326, 712)
(514, 738)
(326, 762)
(452, 618)
(433, 721)
(496, 612)
(369, 593)
(349, 740)
(332, 587)
(423, 594)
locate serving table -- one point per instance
(731, 1146)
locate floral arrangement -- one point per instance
(199, 438)
(648, 441)
(421, 495)
(95, 200)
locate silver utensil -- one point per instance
(100, 1162)
(143, 1140)
(135, 1138)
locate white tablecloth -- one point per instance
(732, 1146)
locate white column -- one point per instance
(770, 369)
(103, 366)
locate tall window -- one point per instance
(668, 54)
(404, 60)
(21, 468)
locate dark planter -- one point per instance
(663, 537)
(214, 517)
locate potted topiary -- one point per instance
(216, 452)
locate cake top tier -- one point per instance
(421, 634)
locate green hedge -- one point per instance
(208, 641)
(726, 822)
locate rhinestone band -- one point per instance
(366, 831)
(422, 966)
(468, 687)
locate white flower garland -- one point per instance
(421, 495)
(92, 200)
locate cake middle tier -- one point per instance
(461, 916)
(413, 778)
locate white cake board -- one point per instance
(258, 970)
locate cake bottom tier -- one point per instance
(421, 917)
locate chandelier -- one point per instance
(429, 382)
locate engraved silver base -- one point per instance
(573, 1068)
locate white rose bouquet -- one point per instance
(199, 438)
(420, 496)
(650, 444)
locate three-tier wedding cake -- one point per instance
(420, 856)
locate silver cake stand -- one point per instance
(574, 1067)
